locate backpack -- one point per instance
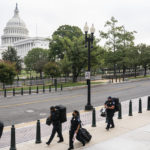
(62, 113)
(116, 100)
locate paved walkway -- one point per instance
(25, 136)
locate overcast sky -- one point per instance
(48, 15)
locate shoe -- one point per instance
(107, 129)
(47, 143)
(60, 141)
(70, 148)
(112, 127)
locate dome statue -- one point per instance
(15, 30)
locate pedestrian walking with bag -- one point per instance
(74, 129)
(55, 120)
(110, 110)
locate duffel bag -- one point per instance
(48, 121)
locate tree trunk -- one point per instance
(74, 78)
(145, 71)
(135, 72)
(41, 74)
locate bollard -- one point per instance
(29, 90)
(21, 91)
(38, 132)
(130, 108)
(93, 118)
(37, 89)
(148, 103)
(120, 112)
(140, 105)
(13, 139)
(55, 83)
(61, 87)
(43, 88)
(112, 80)
(13, 91)
(116, 78)
(49, 88)
(5, 93)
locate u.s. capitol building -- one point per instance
(15, 34)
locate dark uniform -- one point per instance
(110, 113)
(75, 121)
(56, 126)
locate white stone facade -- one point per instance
(16, 35)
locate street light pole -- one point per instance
(89, 39)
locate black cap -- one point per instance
(109, 97)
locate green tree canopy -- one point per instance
(36, 59)
(7, 72)
(11, 55)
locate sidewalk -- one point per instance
(126, 129)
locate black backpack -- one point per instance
(116, 100)
(62, 113)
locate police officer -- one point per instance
(74, 129)
(56, 125)
(110, 110)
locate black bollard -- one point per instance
(93, 118)
(55, 83)
(30, 90)
(49, 88)
(13, 91)
(5, 93)
(21, 91)
(140, 105)
(130, 108)
(112, 80)
(43, 88)
(120, 112)
(38, 132)
(37, 89)
(148, 103)
(13, 139)
(61, 87)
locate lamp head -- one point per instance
(86, 28)
(92, 29)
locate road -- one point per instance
(27, 108)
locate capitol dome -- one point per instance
(15, 30)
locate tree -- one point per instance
(51, 69)
(36, 59)
(144, 52)
(112, 39)
(11, 56)
(7, 73)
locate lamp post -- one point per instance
(89, 39)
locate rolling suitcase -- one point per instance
(84, 134)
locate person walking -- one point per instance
(54, 116)
(74, 129)
(110, 110)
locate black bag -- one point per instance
(84, 134)
(103, 112)
(48, 121)
(62, 113)
(1, 128)
(116, 100)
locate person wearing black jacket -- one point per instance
(74, 129)
(110, 110)
(56, 125)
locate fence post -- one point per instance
(5, 93)
(55, 84)
(140, 105)
(49, 88)
(43, 88)
(148, 103)
(21, 91)
(38, 132)
(93, 118)
(120, 112)
(130, 108)
(13, 139)
(37, 89)
(61, 87)
(29, 90)
(13, 91)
